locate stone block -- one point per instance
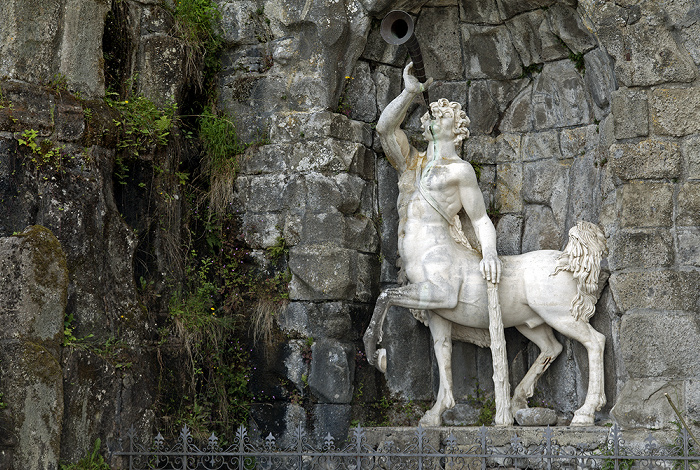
(479, 12)
(438, 33)
(584, 193)
(688, 246)
(361, 94)
(322, 272)
(647, 204)
(331, 419)
(507, 148)
(559, 97)
(262, 229)
(508, 234)
(324, 228)
(265, 193)
(487, 99)
(480, 149)
(662, 290)
(660, 344)
(566, 24)
(388, 83)
(541, 230)
(509, 184)
(325, 319)
(577, 141)
(692, 396)
(648, 159)
(541, 145)
(299, 126)
(161, 68)
(510, 8)
(533, 39)
(599, 80)
(518, 116)
(674, 111)
(332, 371)
(536, 417)
(378, 50)
(70, 120)
(640, 249)
(409, 362)
(387, 192)
(689, 204)
(691, 154)
(266, 159)
(489, 53)
(655, 412)
(322, 193)
(544, 179)
(630, 109)
(329, 155)
(361, 234)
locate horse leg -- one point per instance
(543, 337)
(421, 296)
(441, 331)
(594, 343)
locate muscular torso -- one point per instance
(423, 231)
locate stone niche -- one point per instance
(579, 111)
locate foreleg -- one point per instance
(441, 331)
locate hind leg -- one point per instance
(543, 337)
(594, 342)
(441, 332)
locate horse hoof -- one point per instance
(582, 419)
(380, 361)
(429, 420)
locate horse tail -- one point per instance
(582, 256)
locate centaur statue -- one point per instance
(447, 278)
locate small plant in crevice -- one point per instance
(344, 105)
(484, 404)
(92, 461)
(530, 70)
(43, 155)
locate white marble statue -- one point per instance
(447, 278)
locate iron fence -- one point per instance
(418, 454)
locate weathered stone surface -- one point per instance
(378, 50)
(645, 52)
(688, 246)
(296, 126)
(488, 99)
(478, 11)
(647, 204)
(518, 116)
(689, 204)
(670, 290)
(408, 346)
(578, 141)
(670, 350)
(649, 159)
(559, 97)
(584, 193)
(322, 272)
(333, 420)
(161, 67)
(600, 80)
(388, 81)
(691, 154)
(324, 320)
(489, 53)
(508, 232)
(541, 230)
(692, 394)
(684, 16)
(541, 145)
(360, 94)
(533, 39)
(674, 111)
(543, 181)
(332, 371)
(81, 60)
(438, 33)
(509, 184)
(631, 114)
(510, 8)
(34, 295)
(536, 417)
(640, 249)
(566, 24)
(642, 403)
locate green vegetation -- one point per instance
(531, 70)
(92, 461)
(44, 155)
(484, 403)
(578, 61)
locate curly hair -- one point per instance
(461, 121)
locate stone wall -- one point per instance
(580, 110)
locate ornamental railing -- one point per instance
(420, 453)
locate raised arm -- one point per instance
(473, 203)
(394, 141)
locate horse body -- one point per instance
(537, 291)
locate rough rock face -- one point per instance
(34, 277)
(580, 110)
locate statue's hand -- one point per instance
(490, 267)
(411, 83)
